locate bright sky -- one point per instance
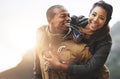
(19, 20)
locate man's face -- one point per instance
(60, 21)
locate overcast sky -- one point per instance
(19, 20)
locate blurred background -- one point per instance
(19, 20)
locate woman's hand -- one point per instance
(53, 62)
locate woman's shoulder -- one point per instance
(100, 42)
(106, 38)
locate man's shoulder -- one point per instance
(42, 28)
(41, 31)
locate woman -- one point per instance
(97, 37)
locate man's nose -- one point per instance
(68, 18)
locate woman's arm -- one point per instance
(91, 67)
(95, 62)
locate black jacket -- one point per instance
(100, 51)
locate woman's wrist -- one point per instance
(63, 67)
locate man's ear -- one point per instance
(49, 20)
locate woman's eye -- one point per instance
(93, 14)
(102, 18)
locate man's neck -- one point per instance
(57, 31)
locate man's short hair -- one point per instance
(50, 12)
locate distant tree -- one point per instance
(113, 61)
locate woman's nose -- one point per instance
(95, 19)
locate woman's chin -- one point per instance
(93, 28)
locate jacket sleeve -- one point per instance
(37, 70)
(95, 62)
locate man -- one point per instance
(55, 38)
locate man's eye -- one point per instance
(63, 16)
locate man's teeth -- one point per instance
(67, 24)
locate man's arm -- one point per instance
(37, 70)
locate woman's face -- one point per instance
(97, 18)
